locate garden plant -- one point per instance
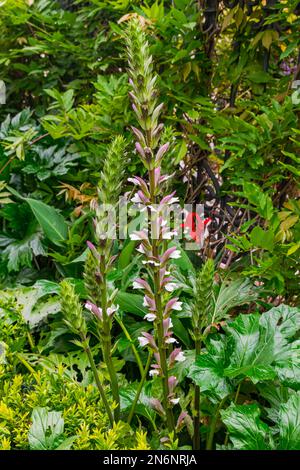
(149, 225)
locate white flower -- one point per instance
(174, 401)
(134, 236)
(153, 372)
(171, 340)
(173, 200)
(143, 341)
(170, 286)
(137, 285)
(136, 199)
(88, 306)
(177, 306)
(175, 255)
(150, 316)
(111, 310)
(180, 357)
(141, 249)
(167, 235)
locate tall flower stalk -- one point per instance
(100, 259)
(202, 311)
(73, 317)
(158, 284)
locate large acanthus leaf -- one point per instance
(275, 396)
(246, 358)
(208, 371)
(143, 408)
(232, 294)
(182, 369)
(246, 430)
(258, 347)
(261, 347)
(46, 430)
(289, 424)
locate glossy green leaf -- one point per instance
(126, 254)
(246, 430)
(208, 371)
(52, 222)
(131, 303)
(262, 346)
(257, 347)
(289, 424)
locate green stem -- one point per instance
(97, 379)
(107, 343)
(141, 384)
(6, 164)
(210, 438)
(196, 440)
(30, 341)
(79, 221)
(26, 364)
(134, 350)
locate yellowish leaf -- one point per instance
(239, 17)
(227, 19)
(291, 18)
(293, 248)
(186, 70)
(267, 38)
(289, 222)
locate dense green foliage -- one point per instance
(74, 372)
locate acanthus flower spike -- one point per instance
(147, 111)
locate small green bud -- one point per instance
(202, 311)
(92, 279)
(72, 308)
(111, 179)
